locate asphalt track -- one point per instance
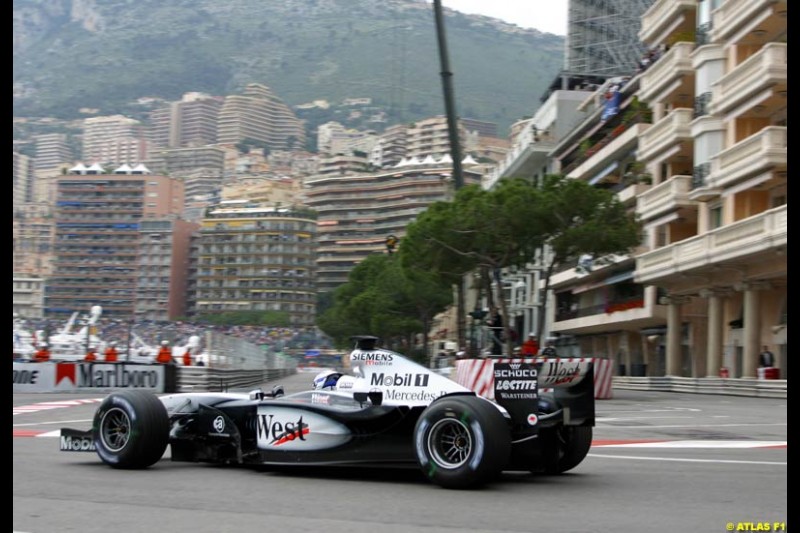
(660, 462)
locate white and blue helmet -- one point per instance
(326, 380)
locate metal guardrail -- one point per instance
(198, 378)
(759, 388)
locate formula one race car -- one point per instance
(390, 411)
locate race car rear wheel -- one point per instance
(566, 448)
(131, 429)
(462, 442)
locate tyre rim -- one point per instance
(449, 443)
(115, 429)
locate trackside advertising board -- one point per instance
(92, 377)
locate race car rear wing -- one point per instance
(518, 387)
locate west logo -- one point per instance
(278, 432)
(400, 380)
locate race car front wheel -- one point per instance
(462, 442)
(130, 429)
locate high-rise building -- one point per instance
(191, 121)
(113, 140)
(33, 231)
(258, 115)
(163, 265)
(21, 178)
(52, 151)
(98, 220)
(602, 36)
(255, 258)
(695, 142)
(358, 211)
(716, 216)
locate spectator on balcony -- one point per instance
(549, 350)
(531, 346)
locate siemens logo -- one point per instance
(400, 380)
(381, 357)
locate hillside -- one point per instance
(105, 54)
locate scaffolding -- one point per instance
(602, 36)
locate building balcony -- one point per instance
(763, 152)
(665, 198)
(663, 137)
(666, 17)
(526, 157)
(734, 242)
(608, 150)
(735, 18)
(757, 78)
(669, 74)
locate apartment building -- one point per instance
(28, 295)
(163, 266)
(358, 211)
(191, 121)
(52, 151)
(98, 219)
(596, 306)
(716, 214)
(257, 258)
(33, 231)
(259, 115)
(113, 140)
(21, 178)
(695, 144)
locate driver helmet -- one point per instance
(326, 380)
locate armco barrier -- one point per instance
(477, 374)
(107, 377)
(198, 378)
(759, 388)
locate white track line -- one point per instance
(676, 460)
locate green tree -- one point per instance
(480, 230)
(381, 298)
(576, 219)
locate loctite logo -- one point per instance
(400, 380)
(279, 432)
(515, 385)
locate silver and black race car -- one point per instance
(389, 411)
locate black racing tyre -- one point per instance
(462, 442)
(566, 446)
(131, 429)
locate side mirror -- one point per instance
(277, 390)
(257, 394)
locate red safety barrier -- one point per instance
(477, 374)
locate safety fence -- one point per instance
(217, 379)
(761, 388)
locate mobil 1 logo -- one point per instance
(515, 381)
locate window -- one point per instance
(715, 215)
